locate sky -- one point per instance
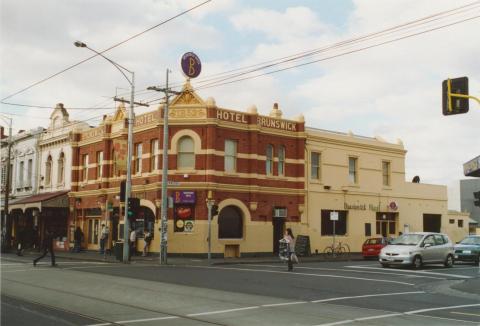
(391, 90)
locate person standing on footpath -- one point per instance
(77, 237)
(147, 238)
(103, 237)
(47, 247)
(133, 240)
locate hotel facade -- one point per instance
(266, 173)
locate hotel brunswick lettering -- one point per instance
(261, 120)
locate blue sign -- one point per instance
(191, 65)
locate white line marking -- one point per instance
(414, 272)
(104, 324)
(464, 313)
(349, 271)
(222, 311)
(145, 319)
(283, 304)
(366, 296)
(441, 308)
(347, 321)
(306, 274)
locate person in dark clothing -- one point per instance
(77, 237)
(20, 241)
(35, 238)
(47, 247)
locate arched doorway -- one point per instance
(230, 223)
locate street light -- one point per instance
(128, 184)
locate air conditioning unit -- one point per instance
(280, 212)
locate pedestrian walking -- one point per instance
(47, 247)
(35, 238)
(20, 241)
(103, 238)
(133, 240)
(147, 238)
(77, 237)
(290, 240)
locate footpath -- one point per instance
(154, 258)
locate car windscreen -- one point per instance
(408, 239)
(471, 241)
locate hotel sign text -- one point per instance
(261, 121)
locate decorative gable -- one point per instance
(187, 97)
(59, 117)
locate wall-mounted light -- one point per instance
(327, 187)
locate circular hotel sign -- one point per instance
(191, 65)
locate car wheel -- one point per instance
(385, 265)
(417, 262)
(448, 261)
(476, 262)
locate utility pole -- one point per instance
(7, 221)
(164, 209)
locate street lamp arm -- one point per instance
(117, 65)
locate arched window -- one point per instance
(269, 161)
(230, 223)
(48, 170)
(186, 153)
(61, 168)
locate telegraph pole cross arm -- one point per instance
(164, 90)
(116, 99)
(455, 96)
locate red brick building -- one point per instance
(253, 164)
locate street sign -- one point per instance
(333, 216)
(191, 65)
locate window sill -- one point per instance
(316, 181)
(186, 171)
(386, 187)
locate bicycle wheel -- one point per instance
(347, 248)
(328, 251)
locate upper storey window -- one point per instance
(353, 170)
(186, 153)
(269, 160)
(315, 166)
(281, 160)
(230, 155)
(48, 171)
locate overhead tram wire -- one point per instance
(106, 50)
(313, 53)
(335, 56)
(339, 45)
(411, 24)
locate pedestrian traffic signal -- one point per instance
(123, 185)
(476, 195)
(133, 206)
(214, 210)
(451, 102)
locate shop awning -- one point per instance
(48, 199)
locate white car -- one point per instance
(418, 248)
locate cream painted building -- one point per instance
(363, 180)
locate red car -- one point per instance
(371, 247)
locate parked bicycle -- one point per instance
(337, 250)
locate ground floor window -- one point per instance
(328, 225)
(386, 223)
(432, 222)
(230, 223)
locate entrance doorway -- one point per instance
(278, 227)
(93, 226)
(432, 222)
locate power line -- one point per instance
(107, 49)
(215, 84)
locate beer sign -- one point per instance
(191, 65)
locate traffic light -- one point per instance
(123, 185)
(452, 104)
(133, 205)
(214, 210)
(476, 195)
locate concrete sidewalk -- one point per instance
(153, 258)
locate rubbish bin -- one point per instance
(118, 249)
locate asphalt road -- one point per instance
(326, 293)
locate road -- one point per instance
(326, 293)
